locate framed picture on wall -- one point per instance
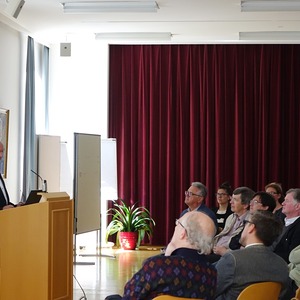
(4, 120)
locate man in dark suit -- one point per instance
(290, 237)
(256, 263)
(4, 197)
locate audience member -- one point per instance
(262, 201)
(234, 224)
(294, 268)
(223, 211)
(194, 199)
(290, 237)
(183, 270)
(1, 158)
(256, 263)
(275, 190)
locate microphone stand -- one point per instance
(44, 182)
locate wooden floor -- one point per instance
(96, 277)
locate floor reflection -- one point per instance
(100, 276)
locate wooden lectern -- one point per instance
(36, 250)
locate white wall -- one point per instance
(78, 103)
(11, 93)
(78, 97)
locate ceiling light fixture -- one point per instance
(110, 6)
(270, 35)
(134, 36)
(14, 7)
(270, 5)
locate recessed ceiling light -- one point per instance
(269, 5)
(153, 36)
(270, 35)
(110, 6)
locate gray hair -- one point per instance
(296, 194)
(200, 186)
(200, 231)
(246, 194)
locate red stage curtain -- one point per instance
(209, 113)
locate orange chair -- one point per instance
(261, 291)
(169, 297)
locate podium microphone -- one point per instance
(44, 186)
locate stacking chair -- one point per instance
(261, 291)
(169, 297)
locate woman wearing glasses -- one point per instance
(275, 190)
(223, 210)
(260, 201)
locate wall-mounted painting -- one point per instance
(4, 120)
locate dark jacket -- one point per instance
(3, 201)
(289, 240)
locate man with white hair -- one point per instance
(183, 270)
(290, 238)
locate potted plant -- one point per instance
(131, 223)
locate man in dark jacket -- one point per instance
(290, 237)
(4, 197)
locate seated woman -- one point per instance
(223, 209)
(275, 190)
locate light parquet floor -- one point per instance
(100, 276)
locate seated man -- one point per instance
(256, 263)
(183, 270)
(194, 199)
(234, 224)
(290, 237)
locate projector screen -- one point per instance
(87, 181)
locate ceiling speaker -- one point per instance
(65, 49)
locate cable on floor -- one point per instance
(84, 295)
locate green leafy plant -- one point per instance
(127, 218)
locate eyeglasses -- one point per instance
(221, 194)
(255, 202)
(189, 194)
(273, 193)
(247, 221)
(178, 222)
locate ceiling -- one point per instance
(189, 21)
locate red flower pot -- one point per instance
(128, 240)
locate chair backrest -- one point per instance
(169, 297)
(261, 291)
